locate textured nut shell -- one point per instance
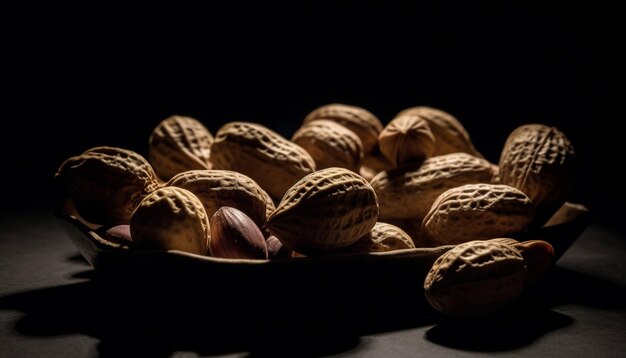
(258, 152)
(540, 161)
(450, 135)
(330, 144)
(408, 192)
(107, 183)
(362, 122)
(411, 227)
(217, 188)
(537, 256)
(475, 278)
(382, 237)
(477, 212)
(406, 139)
(329, 209)
(234, 235)
(179, 144)
(171, 218)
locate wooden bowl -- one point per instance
(359, 293)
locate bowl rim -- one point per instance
(571, 216)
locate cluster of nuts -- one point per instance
(343, 184)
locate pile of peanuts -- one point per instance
(344, 184)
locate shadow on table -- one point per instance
(214, 316)
(515, 330)
(532, 316)
(217, 315)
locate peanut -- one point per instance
(475, 278)
(540, 161)
(408, 192)
(382, 237)
(217, 188)
(179, 144)
(328, 209)
(107, 183)
(234, 235)
(450, 135)
(406, 139)
(362, 122)
(477, 212)
(258, 152)
(330, 144)
(171, 218)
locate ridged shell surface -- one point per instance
(329, 209)
(274, 162)
(217, 188)
(408, 192)
(477, 212)
(540, 161)
(107, 183)
(179, 144)
(359, 120)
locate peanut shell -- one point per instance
(217, 188)
(408, 192)
(171, 218)
(258, 152)
(537, 256)
(406, 139)
(179, 144)
(382, 237)
(362, 122)
(329, 209)
(477, 212)
(107, 183)
(475, 278)
(450, 135)
(540, 161)
(330, 144)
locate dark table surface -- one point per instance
(50, 306)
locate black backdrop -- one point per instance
(108, 76)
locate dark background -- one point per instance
(108, 76)
(75, 78)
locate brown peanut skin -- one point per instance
(107, 183)
(235, 236)
(272, 161)
(540, 161)
(276, 249)
(119, 234)
(475, 278)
